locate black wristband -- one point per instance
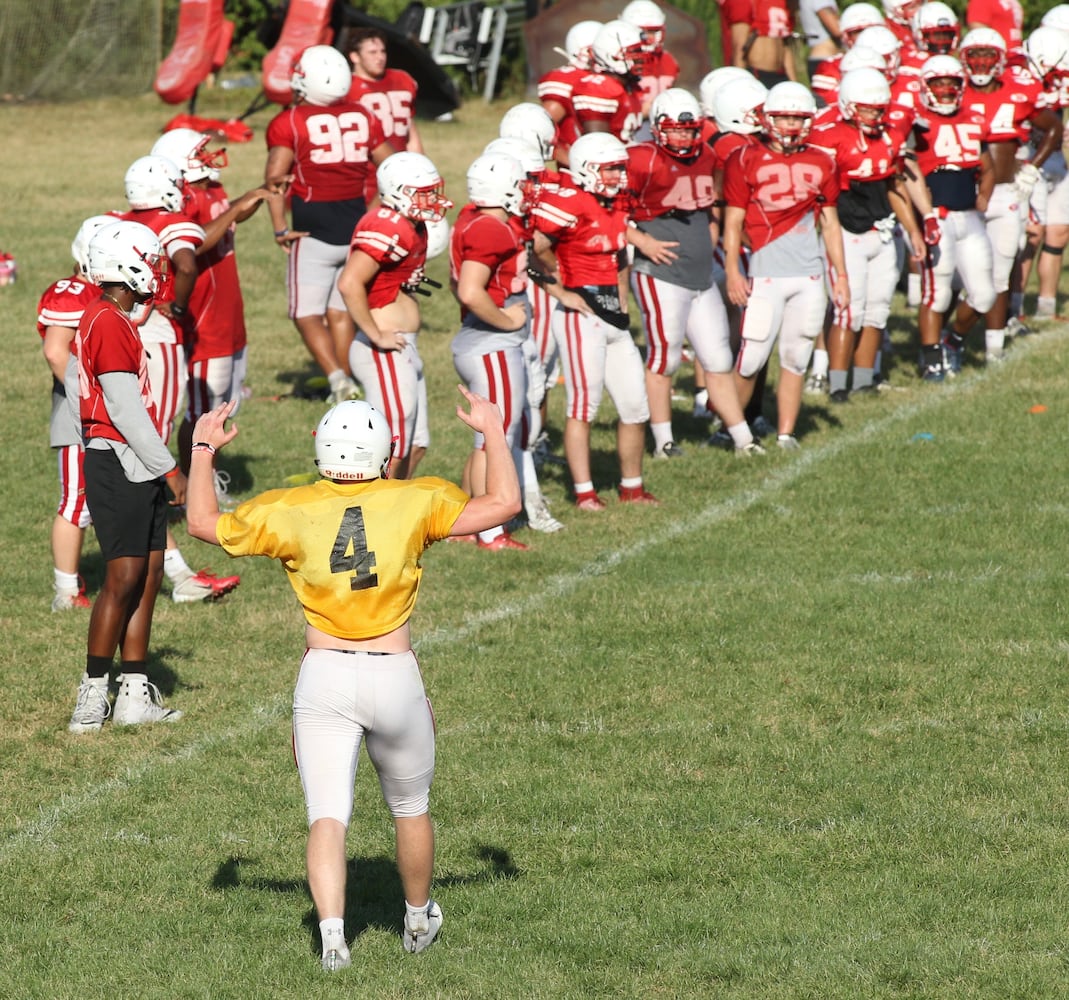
(177, 310)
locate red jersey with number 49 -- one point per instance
(494, 242)
(589, 235)
(331, 148)
(398, 246)
(64, 302)
(1009, 108)
(778, 192)
(660, 183)
(598, 97)
(107, 342)
(391, 100)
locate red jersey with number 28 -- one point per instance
(398, 245)
(331, 148)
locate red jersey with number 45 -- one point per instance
(398, 245)
(494, 242)
(589, 235)
(331, 148)
(64, 302)
(660, 183)
(1010, 107)
(598, 97)
(780, 193)
(391, 100)
(949, 142)
(107, 342)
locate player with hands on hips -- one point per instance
(352, 544)
(775, 192)
(378, 285)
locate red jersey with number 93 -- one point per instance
(781, 194)
(331, 149)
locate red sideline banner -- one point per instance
(307, 23)
(200, 24)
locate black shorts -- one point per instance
(130, 518)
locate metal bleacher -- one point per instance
(472, 35)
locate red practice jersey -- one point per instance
(1005, 16)
(331, 149)
(659, 72)
(600, 97)
(497, 244)
(398, 245)
(771, 19)
(106, 342)
(660, 183)
(590, 234)
(64, 302)
(391, 100)
(1010, 107)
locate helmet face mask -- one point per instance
(864, 97)
(353, 443)
(618, 48)
(942, 85)
(409, 183)
(650, 21)
(983, 63)
(188, 150)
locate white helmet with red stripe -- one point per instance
(942, 84)
(856, 18)
(497, 180)
(936, 29)
(864, 97)
(649, 19)
(187, 148)
(618, 48)
(983, 54)
(322, 76)
(590, 155)
(410, 184)
(1048, 54)
(789, 100)
(126, 253)
(155, 182)
(738, 105)
(676, 111)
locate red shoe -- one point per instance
(638, 494)
(503, 541)
(589, 501)
(468, 539)
(220, 584)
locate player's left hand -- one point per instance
(211, 426)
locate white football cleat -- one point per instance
(421, 928)
(92, 706)
(139, 701)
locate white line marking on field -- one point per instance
(67, 807)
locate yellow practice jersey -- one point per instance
(352, 550)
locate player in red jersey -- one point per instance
(586, 221)
(488, 276)
(155, 190)
(872, 200)
(899, 15)
(767, 52)
(734, 29)
(126, 463)
(775, 192)
(215, 335)
(670, 181)
(960, 176)
(607, 100)
(555, 87)
(660, 69)
(1008, 99)
(377, 284)
(1004, 16)
(58, 315)
(328, 146)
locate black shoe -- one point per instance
(839, 396)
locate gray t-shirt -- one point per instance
(690, 230)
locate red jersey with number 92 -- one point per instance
(331, 149)
(778, 192)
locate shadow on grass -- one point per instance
(374, 898)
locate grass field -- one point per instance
(800, 732)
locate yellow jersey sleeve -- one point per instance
(351, 550)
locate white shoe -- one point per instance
(788, 442)
(816, 385)
(347, 389)
(335, 953)
(750, 450)
(139, 701)
(92, 706)
(422, 929)
(189, 589)
(538, 516)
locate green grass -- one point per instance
(800, 732)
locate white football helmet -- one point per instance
(738, 105)
(188, 150)
(788, 99)
(862, 57)
(590, 155)
(353, 442)
(983, 54)
(497, 180)
(901, 11)
(676, 110)
(1048, 53)
(532, 123)
(155, 182)
(322, 76)
(882, 39)
(936, 29)
(80, 243)
(856, 18)
(127, 253)
(411, 185)
(1057, 17)
(864, 97)
(649, 19)
(618, 48)
(579, 42)
(519, 149)
(713, 81)
(942, 84)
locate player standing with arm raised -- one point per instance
(351, 544)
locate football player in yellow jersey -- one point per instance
(351, 544)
